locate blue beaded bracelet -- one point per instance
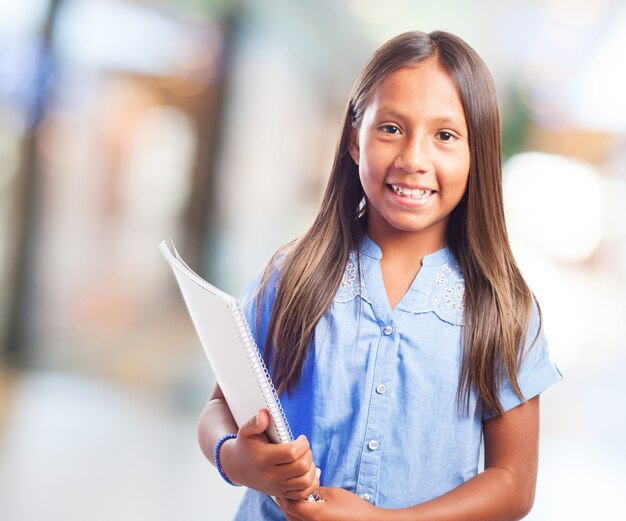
(216, 457)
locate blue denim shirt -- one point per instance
(378, 393)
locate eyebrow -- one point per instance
(441, 120)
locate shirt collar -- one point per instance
(438, 287)
(437, 258)
(370, 248)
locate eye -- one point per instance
(390, 129)
(445, 136)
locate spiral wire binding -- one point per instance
(263, 379)
(257, 364)
(261, 373)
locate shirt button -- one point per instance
(381, 389)
(388, 330)
(366, 496)
(373, 445)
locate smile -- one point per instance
(413, 193)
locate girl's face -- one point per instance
(413, 154)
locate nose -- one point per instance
(415, 156)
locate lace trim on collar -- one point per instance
(445, 296)
(349, 286)
(448, 294)
(443, 293)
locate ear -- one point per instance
(354, 149)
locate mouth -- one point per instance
(411, 193)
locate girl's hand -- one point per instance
(285, 469)
(337, 505)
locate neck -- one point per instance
(411, 248)
(403, 254)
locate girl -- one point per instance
(399, 330)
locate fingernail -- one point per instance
(318, 472)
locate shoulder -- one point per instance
(257, 299)
(536, 372)
(264, 284)
(535, 345)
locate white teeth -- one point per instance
(414, 193)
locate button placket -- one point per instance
(367, 481)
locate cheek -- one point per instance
(459, 167)
(370, 166)
(457, 176)
(376, 158)
(367, 179)
(462, 175)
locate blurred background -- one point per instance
(125, 122)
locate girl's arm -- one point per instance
(285, 470)
(504, 491)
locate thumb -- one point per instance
(256, 425)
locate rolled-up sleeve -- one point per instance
(537, 371)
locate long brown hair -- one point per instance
(497, 300)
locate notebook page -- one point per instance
(208, 307)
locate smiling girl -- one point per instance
(398, 329)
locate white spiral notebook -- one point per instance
(230, 347)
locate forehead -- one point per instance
(425, 88)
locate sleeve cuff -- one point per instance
(537, 380)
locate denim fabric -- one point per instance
(378, 394)
(256, 506)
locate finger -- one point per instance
(299, 468)
(290, 452)
(315, 487)
(302, 487)
(256, 425)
